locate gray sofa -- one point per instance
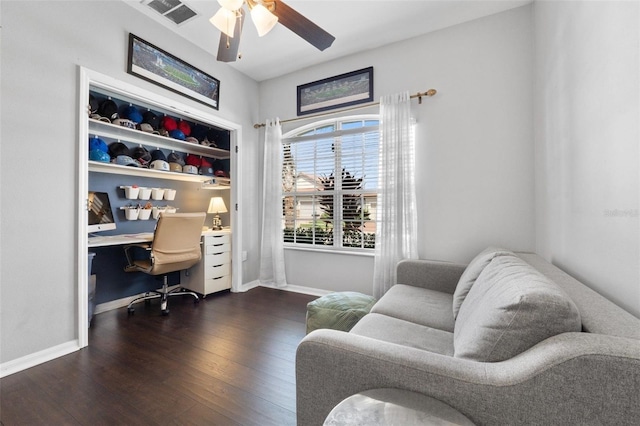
(509, 339)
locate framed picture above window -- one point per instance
(343, 90)
(162, 68)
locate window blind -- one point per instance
(330, 185)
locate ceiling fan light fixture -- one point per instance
(231, 4)
(225, 21)
(263, 19)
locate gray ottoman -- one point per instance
(386, 407)
(338, 311)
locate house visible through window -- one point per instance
(330, 184)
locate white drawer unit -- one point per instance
(213, 272)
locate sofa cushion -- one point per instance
(472, 272)
(510, 308)
(405, 333)
(416, 304)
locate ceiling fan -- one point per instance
(265, 14)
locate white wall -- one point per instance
(474, 175)
(587, 134)
(43, 42)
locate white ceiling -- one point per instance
(356, 24)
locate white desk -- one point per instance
(142, 237)
(122, 239)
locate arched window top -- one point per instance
(329, 127)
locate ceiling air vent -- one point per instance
(174, 10)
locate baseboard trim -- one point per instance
(31, 360)
(299, 289)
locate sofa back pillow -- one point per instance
(472, 272)
(510, 308)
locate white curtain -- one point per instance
(272, 246)
(396, 212)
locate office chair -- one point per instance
(175, 246)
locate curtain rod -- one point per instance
(419, 95)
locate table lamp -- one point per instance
(216, 205)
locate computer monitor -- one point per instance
(100, 214)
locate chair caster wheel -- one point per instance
(131, 311)
(165, 312)
(196, 301)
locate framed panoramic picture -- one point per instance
(157, 66)
(343, 90)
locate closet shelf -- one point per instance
(98, 167)
(124, 134)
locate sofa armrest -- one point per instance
(429, 274)
(572, 378)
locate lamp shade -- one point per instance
(225, 21)
(231, 4)
(216, 205)
(263, 19)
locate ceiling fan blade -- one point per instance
(302, 26)
(228, 46)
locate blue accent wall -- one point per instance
(112, 283)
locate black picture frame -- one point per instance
(352, 88)
(157, 66)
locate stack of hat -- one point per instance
(176, 162)
(98, 150)
(108, 109)
(159, 161)
(121, 155)
(206, 168)
(149, 122)
(192, 164)
(141, 155)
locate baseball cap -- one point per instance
(158, 155)
(175, 162)
(95, 143)
(193, 160)
(187, 168)
(108, 109)
(125, 160)
(168, 123)
(177, 134)
(118, 148)
(206, 168)
(152, 119)
(99, 155)
(141, 155)
(184, 127)
(133, 114)
(146, 127)
(174, 157)
(159, 165)
(93, 104)
(191, 139)
(124, 122)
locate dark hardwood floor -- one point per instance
(229, 360)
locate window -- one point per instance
(330, 184)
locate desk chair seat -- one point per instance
(175, 246)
